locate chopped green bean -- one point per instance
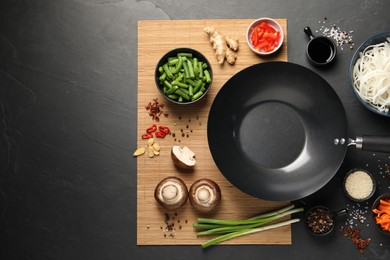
(173, 61)
(181, 93)
(178, 66)
(196, 67)
(173, 96)
(183, 77)
(162, 77)
(167, 71)
(172, 90)
(180, 84)
(190, 69)
(186, 70)
(183, 54)
(208, 77)
(198, 86)
(200, 69)
(197, 95)
(167, 84)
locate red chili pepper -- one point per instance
(160, 134)
(164, 129)
(151, 129)
(147, 136)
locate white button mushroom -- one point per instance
(171, 193)
(205, 195)
(183, 157)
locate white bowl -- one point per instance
(271, 22)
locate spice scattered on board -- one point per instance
(172, 224)
(353, 234)
(155, 110)
(185, 130)
(341, 37)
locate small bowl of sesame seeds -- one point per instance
(359, 185)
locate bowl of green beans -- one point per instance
(183, 76)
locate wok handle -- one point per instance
(374, 143)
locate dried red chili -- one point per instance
(147, 136)
(164, 129)
(155, 110)
(353, 234)
(160, 134)
(151, 129)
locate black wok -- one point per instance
(278, 131)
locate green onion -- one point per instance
(236, 228)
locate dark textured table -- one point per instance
(68, 108)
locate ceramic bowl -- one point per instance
(374, 206)
(160, 83)
(373, 183)
(271, 22)
(375, 39)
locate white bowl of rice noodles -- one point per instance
(369, 73)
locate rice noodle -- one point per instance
(371, 75)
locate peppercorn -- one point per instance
(320, 220)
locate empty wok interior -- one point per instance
(271, 131)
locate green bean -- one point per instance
(173, 61)
(167, 71)
(190, 69)
(197, 95)
(197, 87)
(181, 93)
(185, 91)
(184, 78)
(172, 90)
(178, 66)
(180, 84)
(186, 71)
(208, 77)
(167, 84)
(184, 54)
(193, 83)
(196, 67)
(162, 77)
(200, 69)
(173, 96)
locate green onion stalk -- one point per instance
(236, 228)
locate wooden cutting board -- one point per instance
(189, 124)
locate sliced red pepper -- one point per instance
(151, 129)
(147, 136)
(164, 129)
(160, 134)
(265, 37)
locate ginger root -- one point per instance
(224, 46)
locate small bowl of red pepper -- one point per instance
(265, 36)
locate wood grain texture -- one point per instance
(155, 38)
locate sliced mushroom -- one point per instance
(183, 157)
(205, 195)
(171, 193)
